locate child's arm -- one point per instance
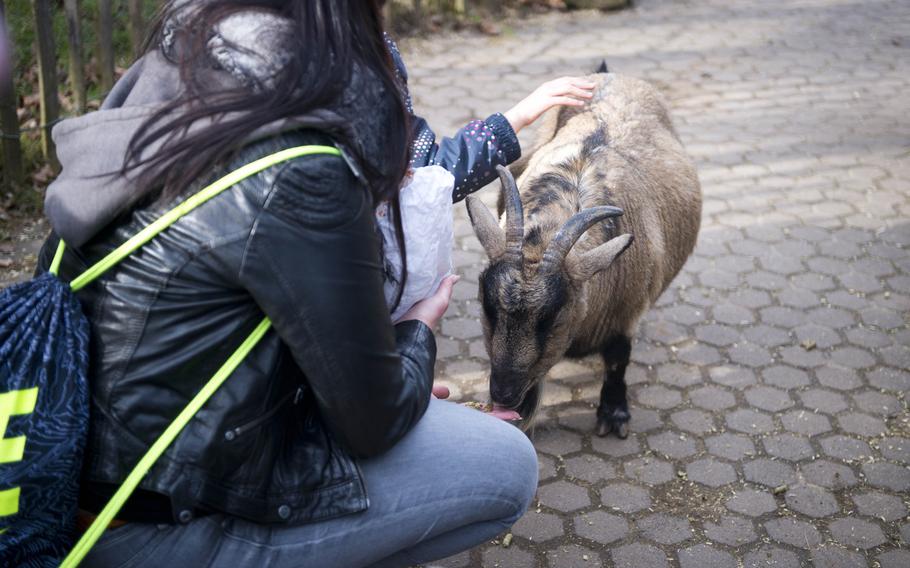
(473, 153)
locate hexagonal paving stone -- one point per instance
(897, 449)
(711, 472)
(793, 532)
(699, 354)
(695, 421)
(839, 378)
(546, 467)
(638, 555)
(681, 376)
(880, 505)
(766, 335)
(704, 556)
(625, 497)
(614, 447)
(751, 502)
(811, 500)
(672, 444)
(684, 314)
(512, 557)
(769, 472)
(732, 315)
(823, 337)
(845, 448)
(887, 476)
(556, 441)
(658, 396)
(665, 529)
(749, 421)
(572, 556)
(889, 379)
(878, 403)
(731, 446)
(538, 527)
(829, 474)
(734, 377)
(798, 356)
(788, 446)
(717, 334)
(770, 556)
(750, 355)
(785, 377)
(563, 496)
(768, 398)
(590, 468)
(651, 471)
(712, 398)
(601, 527)
(861, 424)
(894, 559)
(833, 557)
(856, 532)
(730, 530)
(805, 422)
(823, 400)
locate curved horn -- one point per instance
(574, 228)
(515, 231)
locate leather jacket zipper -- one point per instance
(233, 433)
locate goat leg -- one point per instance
(613, 412)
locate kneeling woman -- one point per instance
(325, 447)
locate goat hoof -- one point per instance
(622, 430)
(618, 426)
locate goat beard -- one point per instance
(527, 409)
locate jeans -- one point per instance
(457, 479)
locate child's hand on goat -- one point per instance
(567, 91)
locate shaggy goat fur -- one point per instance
(619, 151)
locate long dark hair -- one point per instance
(330, 38)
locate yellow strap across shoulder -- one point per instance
(94, 532)
(172, 216)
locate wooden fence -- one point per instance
(44, 15)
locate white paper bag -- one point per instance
(426, 215)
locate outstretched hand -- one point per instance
(566, 91)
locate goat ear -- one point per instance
(597, 259)
(487, 229)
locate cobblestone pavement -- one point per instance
(769, 421)
(749, 446)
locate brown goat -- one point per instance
(552, 288)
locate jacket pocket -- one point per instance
(237, 431)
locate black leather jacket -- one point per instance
(334, 380)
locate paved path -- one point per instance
(748, 449)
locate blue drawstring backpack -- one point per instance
(44, 398)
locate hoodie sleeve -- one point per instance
(471, 155)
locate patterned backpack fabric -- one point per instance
(43, 419)
(44, 398)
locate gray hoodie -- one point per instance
(245, 49)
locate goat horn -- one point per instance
(574, 228)
(515, 231)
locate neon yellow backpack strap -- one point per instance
(94, 532)
(172, 216)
